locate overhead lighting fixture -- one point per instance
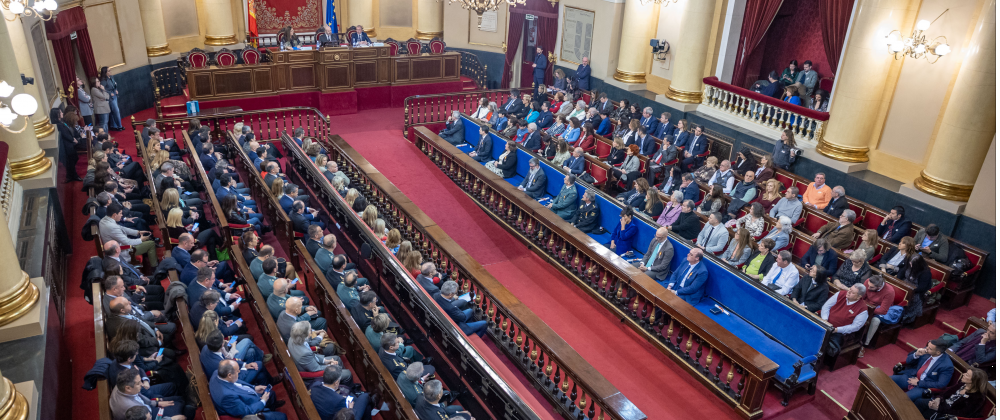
(21, 105)
(665, 3)
(482, 6)
(917, 45)
(42, 9)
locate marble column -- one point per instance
(360, 13)
(24, 64)
(17, 293)
(151, 13)
(861, 78)
(13, 405)
(691, 51)
(969, 122)
(219, 29)
(638, 27)
(26, 158)
(430, 19)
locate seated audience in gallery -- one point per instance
(847, 313)
(689, 279)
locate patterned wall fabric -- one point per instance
(303, 15)
(796, 33)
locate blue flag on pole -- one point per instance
(331, 16)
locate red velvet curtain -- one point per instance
(834, 16)
(513, 44)
(756, 21)
(63, 48)
(548, 29)
(86, 51)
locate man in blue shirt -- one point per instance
(233, 397)
(688, 282)
(574, 165)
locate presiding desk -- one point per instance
(327, 70)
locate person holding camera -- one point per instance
(785, 152)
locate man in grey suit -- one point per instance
(454, 132)
(111, 230)
(932, 243)
(288, 318)
(807, 78)
(305, 359)
(333, 172)
(713, 236)
(534, 182)
(656, 262)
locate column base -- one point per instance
(942, 189)
(680, 106)
(31, 320)
(683, 96)
(30, 394)
(628, 87)
(629, 76)
(161, 50)
(427, 36)
(46, 179)
(15, 405)
(842, 153)
(220, 40)
(43, 128)
(30, 167)
(812, 153)
(955, 207)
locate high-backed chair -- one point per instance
(436, 46)
(393, 45)
(225, 58)
(197, 58)
(250, 56)
(413, 46)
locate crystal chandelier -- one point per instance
(21, 105)
(917, 45)
(42, 9)
(481, 6)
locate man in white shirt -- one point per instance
(845, 314)
(783, 275)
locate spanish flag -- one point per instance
(251, 20)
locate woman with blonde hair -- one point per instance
(412, 262)
(277, 187)
(654, 205)
(404, 248)
(380, 231)
(369, 216)
(772, 194)
(171, 199)
(869, 239)
(393, 239)
(321, 163)
(739, 250)
(706, 171)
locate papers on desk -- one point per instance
(466, 297)
(378, 44)
(304, 48)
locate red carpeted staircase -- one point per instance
(469, 84)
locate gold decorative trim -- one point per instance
(629, 77)
(43, 128)
(220, 40)
(941, 188)
(28, 168)
(15, 406)
(370, 32)
(158, 50)
(18, 302)
(841, 153)
(683, 96)
(427, 36)
(562, 36)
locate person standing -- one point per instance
(540, 64)
(100, 101)
(86, 107)
(582, 75)
(115, 118)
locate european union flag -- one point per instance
(331, 16)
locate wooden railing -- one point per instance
(266, 124)
(572, 385)
(879, 398)
(764, 110)
(430, 109)
(100, 342)
(474, 69)
(201, 379)
(663, 318)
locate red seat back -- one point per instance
(413, 47)
(198, 59)
(814, 222)
(603, 149)
(799, 246)
(899, 295)
(785, 180)
(250, 56)
(436, 46)
(598, 172)
(225, 58)
(871, 218)
(393, 49)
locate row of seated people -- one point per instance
(354, 291)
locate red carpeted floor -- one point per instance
(660, 388)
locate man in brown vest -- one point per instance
(847, 312)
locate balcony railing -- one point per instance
(764, 110)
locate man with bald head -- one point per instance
(150, 339)
(285, 268)
(182, 252)
(574, 164)
(151, 294)
(334, 266)
(276, 305)
(114, 287)
(656, 260)
(288, 318)
(236, 398)
(333, 172)
(688, 282)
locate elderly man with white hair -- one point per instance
(838, 203)
(648, 120)
(844, 313)
(454, 131)
(781, 234)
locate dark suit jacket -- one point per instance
(938, 374)
(533, 141)
(511, 108)
(604, 106)
(582, 77)
(697, 145)
(765, 265)
(545, 120)
(691, 192)
(664, 155)
(650, 123)
(428, 284)
(898, 230)
(484, 150)
(694, 286)
(829, 259)
(575, 164)
(537, 188)
(394, 363)
(232, 400)
(647, 145)
(665, 130)
(299, 223)
(147, 342)
(687, 225)
(541, 63)
(813, 296)
(509, 165)
(682, 138)
(836, 206)
(428, 411)
(454, 313)
(327, 401)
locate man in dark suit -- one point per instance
(656, 260)
(513, 105)
(575, 164)
(150, 339)
(428, 271)
(290, 196)
(647, 144)
(604, 104)
(932, 243)
(133, 279)
(648, 120)
(688, 282)
(687, 225)
(389, 344)
(894, 227)
(233, 397)
(534, 182)
(697, 145)
(358, 37)
(657, 161)
(428, 406)
(484, 150)
(812, 291)
(582, 75)
(925, 368)
(545, 118)
(690, 188)
(251, 368)
(533, 140)
(208, 301)
(299, 222)
(539, 64)
(315, 240)
(773, 89)
(838, 203)
(114, 288)
(203, 282)
(979, 347)
(588, 216)
(365, 310)
(446, 300)
(329, 402)
(326, 37)
(666, 127)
